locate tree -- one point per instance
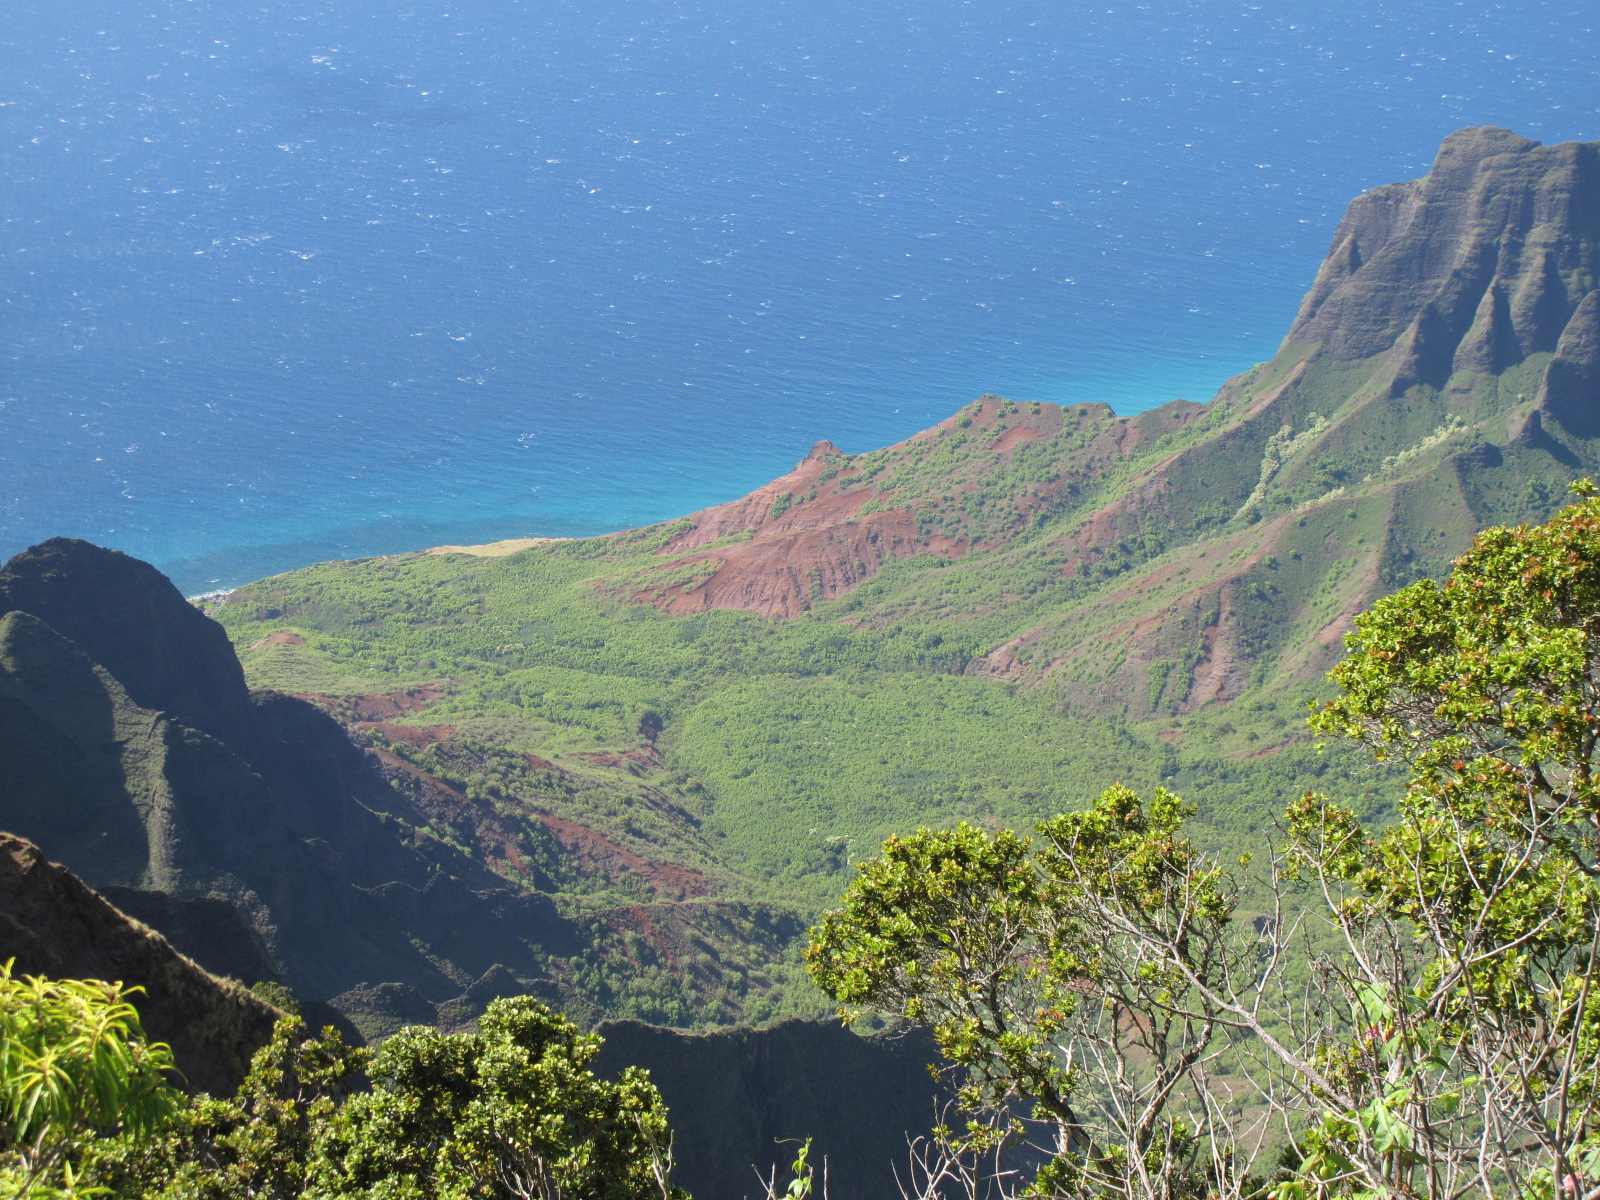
(1084, 977)
(256, 1144)
(1448, 1041)
(1472, 925)
(75, 1070)
(511, 1112)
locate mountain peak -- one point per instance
(1473, 144)
(128, 617)
(823, 449)
(1487, 256)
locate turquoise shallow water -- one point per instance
(285, 281)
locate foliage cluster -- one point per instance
(511, 1111)
(76, 1068)
(1415, 1011)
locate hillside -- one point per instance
(1003, 614)
(248, 828)
(52, 925)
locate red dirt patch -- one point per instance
(498, 839)
(751, 512)
(282, 638)
(1001, 663)
(1015, 435)
(783, 573)
(376, 708)
(599, 855)
(635, 762)
(420, 736)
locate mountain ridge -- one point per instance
(1484, 264)
(52, 925)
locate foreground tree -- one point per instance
(75, 1071)
(511, 1112)
(1449, 1048)
(1086, 976)
(254, 1145)
(1472, 926)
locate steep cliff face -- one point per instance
(1475, 267)
(742, 1100)
(134, 799)
(53, 925)
(1570, 390)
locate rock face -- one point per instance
(1476, 266)
(133, 798)
(1570, 392)
(742, 1100)
(53, 925)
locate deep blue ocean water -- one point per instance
(286, 280)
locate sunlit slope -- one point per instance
(1005, 613)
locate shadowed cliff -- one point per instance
(742, 1101)
(53, 925)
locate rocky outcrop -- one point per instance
(54, 925)
(742, 1100)
(1570, 392)
(1479, 264)
(806, 541)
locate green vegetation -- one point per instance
(784, 747)
(509, 1112)
(1110, 939)
(1180, 1024)
(259, 1142)
(992, 621)
(75, 1070)
(1416, 1010)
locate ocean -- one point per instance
(284, 281)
